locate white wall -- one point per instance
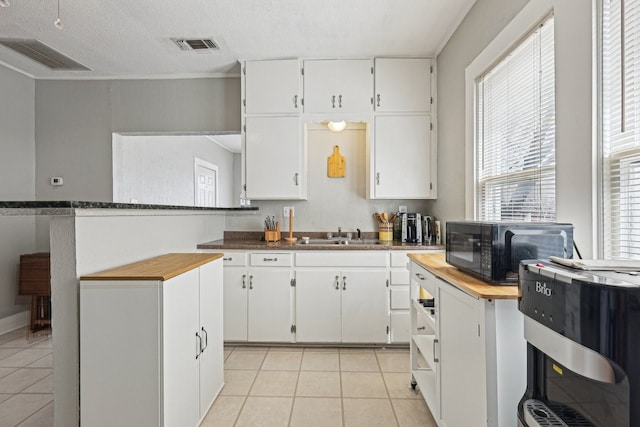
(574, 142)
(17, 169)
(159, 169)
(331, 202)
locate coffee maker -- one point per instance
(583, 348)
(411, 228)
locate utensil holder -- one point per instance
(385, 232)
(273, 235)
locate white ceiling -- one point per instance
(131, 38)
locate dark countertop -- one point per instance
(252, 240)
(60, 207)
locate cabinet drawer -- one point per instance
(234, 258)
(399, 277)
(271, 259)
(342, 259)
(399, 259)
(425, 279)
(400, 298)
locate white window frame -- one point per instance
(521, 26)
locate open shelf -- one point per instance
(426, 314)
(425, 346)
(426, 380)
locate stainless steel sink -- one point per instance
(334, 242)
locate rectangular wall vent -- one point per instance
(196, 45)
(42, 54)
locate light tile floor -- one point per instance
(26, 379)
(295, 386)
(265, 386)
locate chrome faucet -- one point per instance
(339, 232)
(359, 234)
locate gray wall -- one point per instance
(575, 160)
(17, 166)
(75, 121)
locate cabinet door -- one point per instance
(355, 86)
(403, 84)
(318, 312)
(180, 345)
(236, 280)
(365, 306)
(274, 153)
(211, 321)
(462, 365)
(402, 157)
(270, 305)
(272, 86)
(338, 86)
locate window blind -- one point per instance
(620, 139)
(515, 133)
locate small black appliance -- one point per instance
(492, 251)
(583, 350)
(411, 228)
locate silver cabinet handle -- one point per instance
(344, 283)
(206, 339)
(244, 281)
(295, 101)
(419, 276)
(228, 259)
(250, 282)
(377, 178)
(338, 282)
(422, 328)
(435, 359)
(340, 101)
(269, 259)
(295, 178)
(378, 99)
(333, 101)
(198, 345)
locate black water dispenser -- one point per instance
(583, 346)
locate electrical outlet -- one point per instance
(57, 181)
(288, 209)
(402, 209)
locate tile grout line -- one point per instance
(386, 388)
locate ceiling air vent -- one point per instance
(196, 45)
(43, 54)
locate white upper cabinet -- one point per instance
(272, 87)
(404, 161)
(338, 86)
(274, 158)
(402, 85)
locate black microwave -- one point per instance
(492, 251)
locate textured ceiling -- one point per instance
(131, 38)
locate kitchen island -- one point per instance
(85, 237)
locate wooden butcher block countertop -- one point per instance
(162, 267)
(436, 264)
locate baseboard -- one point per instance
(15, 321)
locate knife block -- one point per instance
(273, 235)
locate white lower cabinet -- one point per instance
(151, 350)
(257, 299)
(349, 306)
(466, 354)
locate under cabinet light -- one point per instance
(337, 126)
